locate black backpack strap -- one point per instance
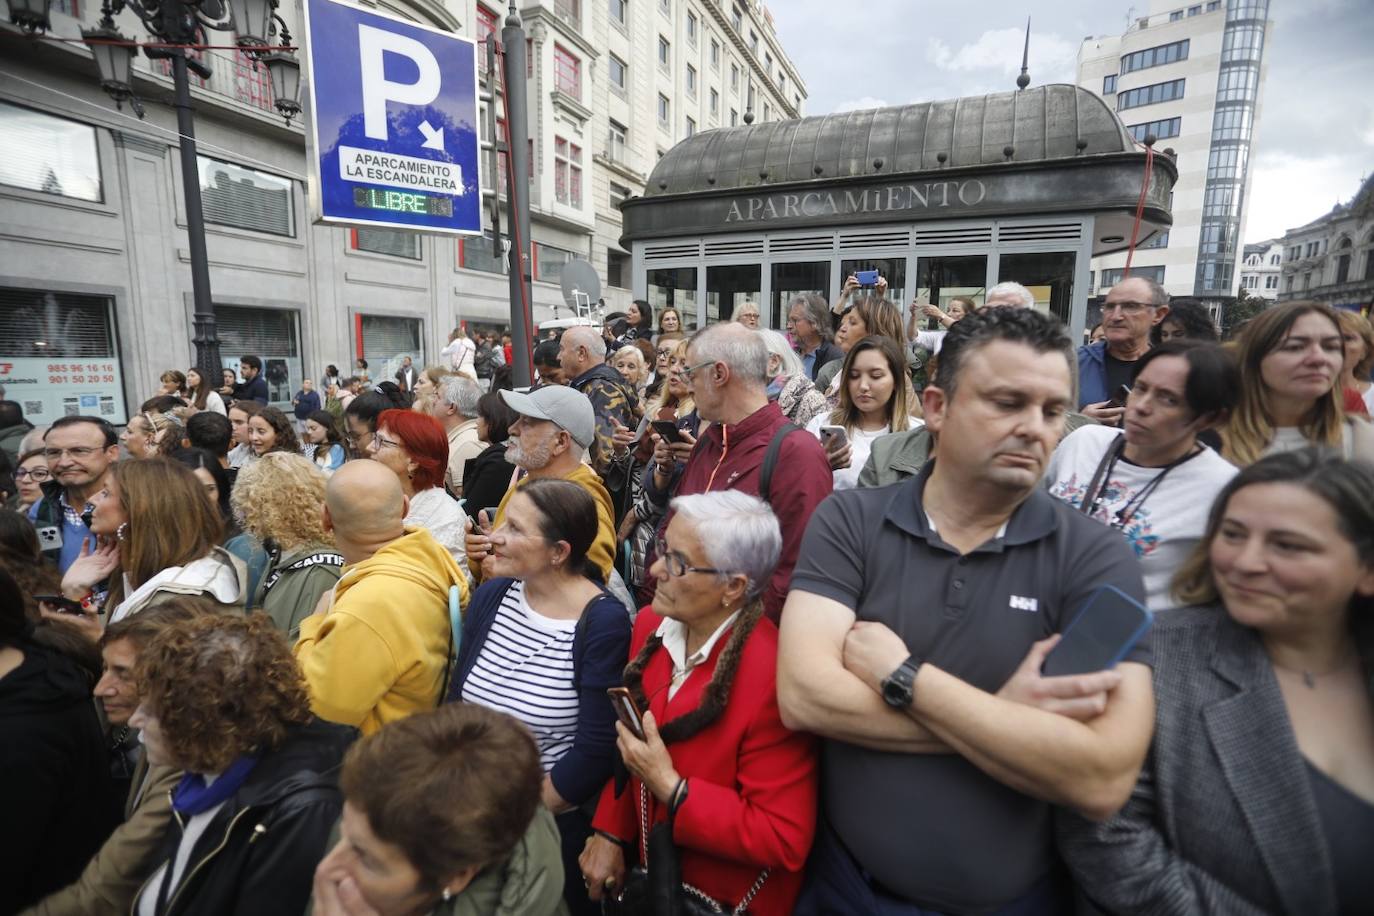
(770, 458)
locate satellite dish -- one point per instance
(581, 286)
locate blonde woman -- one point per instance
(1290, 364)
(874, 401)
(277, 499)
(1358, 336)
(427, 387)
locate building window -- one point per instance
(1194, 10)
(691, 126)
(1274, 260)
(232, 195)
(737, 19)
(1155, 57)
(1213, 5)
(663, 110)
(1169, 127)
(617, 136)
(386, 339)
(734, 118)
(1232, 123)
(617, 269)
(549, 261)
(715, 103)
(665, 7)
(567, 172)
(569, 11)
(618, 11)
(1176, 15)
(1244, 43)
(1150, 95)
(1271, 282)
(481, 254)
(615, 68)
(567, 72)
(664, 52)
(767, 62)
(782, 84)
(39, 152)
(1159, 240)
(1238, 83)
(754, 42)
(618, 194)
(767, 114)
(691, 80)
(692, 27)
(1307, 280)
(486, 24)
(396, 242)
(63, 346)
(1109, 84)
(715, 54)
(734, 78)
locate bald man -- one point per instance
(377, 647)
(582, 355)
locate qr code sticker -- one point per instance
(107, 407)
(33, 407)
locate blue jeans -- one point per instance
(837, 886)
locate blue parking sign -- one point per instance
(394, 115)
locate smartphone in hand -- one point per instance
(627, 710)
(669, 431)
(834, 437)
(60, 603)
(1106, 627)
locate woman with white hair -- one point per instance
(715, 762)
(788, 384)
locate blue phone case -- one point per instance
(1121, 651)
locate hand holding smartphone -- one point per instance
(668, 430)
(627, 710)
(834, 437)
(1108, 625)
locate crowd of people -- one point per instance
(722, 620)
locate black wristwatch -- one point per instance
(899, 686)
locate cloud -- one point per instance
(1052, 58)
(860, 104)
(1288, 191)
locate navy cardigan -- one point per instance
(601, 646)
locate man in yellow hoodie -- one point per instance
(555, 428)
(377, 648)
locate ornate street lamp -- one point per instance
(181, 25)
(30, 15)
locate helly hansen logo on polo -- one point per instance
(1019, 603)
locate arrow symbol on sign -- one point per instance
(434, 139)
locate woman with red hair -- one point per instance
(415, 447)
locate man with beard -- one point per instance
(912, 643)
(555, 428)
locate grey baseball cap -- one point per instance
(567, 408)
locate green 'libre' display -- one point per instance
(402, 202)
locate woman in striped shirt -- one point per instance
(542, 642)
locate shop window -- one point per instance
(232, 195)
(676, 287)
(385, 341)
(270, 334)
(60, 355)
(729, 286)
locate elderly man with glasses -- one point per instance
(1131, 309)
(79, 450)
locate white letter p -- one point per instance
(378, 90)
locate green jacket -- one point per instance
(289, 595)
(528, 883)
(896, 457)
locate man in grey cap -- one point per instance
(555, 426)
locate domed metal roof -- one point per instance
(1057, 121)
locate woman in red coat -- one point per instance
(740, 786)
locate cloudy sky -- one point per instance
(1315, 139)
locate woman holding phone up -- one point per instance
(737, 786)
(542, 642)
(873, 403)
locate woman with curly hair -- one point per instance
(272, 431)
(415, 448)
(222, 699)
(736, 787)
(156, 537)
(278, 499)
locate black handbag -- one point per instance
(658, 889)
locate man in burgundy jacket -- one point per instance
(727, 369)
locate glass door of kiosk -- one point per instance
(729, 285)
(1047, 274)
(892, 269)
(791, 279)
(676, 287)
(940, 278)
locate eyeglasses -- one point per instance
(668, 352)
(80, 452)
(383, 442)
(676, 565)
(38, 474)
(1128, 308)
(688, 371)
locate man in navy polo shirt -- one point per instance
(912, 641)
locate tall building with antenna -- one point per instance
(1192, 76)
